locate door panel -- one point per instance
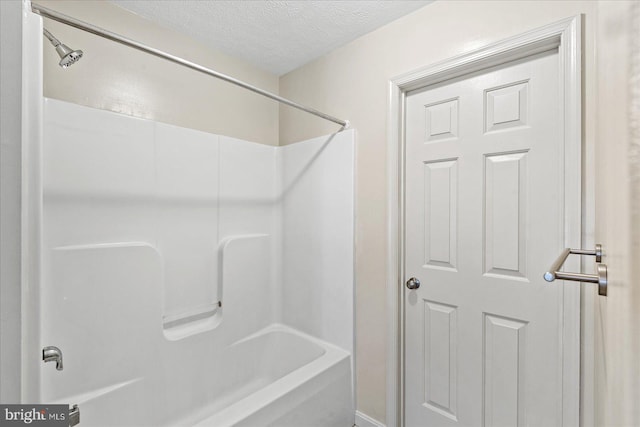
(484, 217)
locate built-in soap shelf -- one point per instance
(208, 317)
(191, 322)
(103, 246)
(192, 315)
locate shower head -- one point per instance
(68, 56)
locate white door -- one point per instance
(484, 220)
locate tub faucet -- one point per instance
(53, 354)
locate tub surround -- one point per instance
(209, 268)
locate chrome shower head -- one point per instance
(68, 56)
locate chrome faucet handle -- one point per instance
(53, 354)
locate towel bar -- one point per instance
(600, 278)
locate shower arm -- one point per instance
(90, 28)
(54, 41)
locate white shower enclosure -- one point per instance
(194, 279)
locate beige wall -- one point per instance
(117, 78)
(617, 319)
(352, 83)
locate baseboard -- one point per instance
(363, 420)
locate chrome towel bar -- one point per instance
(600, 278)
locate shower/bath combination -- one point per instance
(68, 56)
(278, 351)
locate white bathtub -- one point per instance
(280, 377)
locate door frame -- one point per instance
(566, 36)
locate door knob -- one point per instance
(413, 283)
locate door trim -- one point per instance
(566, 36)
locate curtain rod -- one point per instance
(85, 26)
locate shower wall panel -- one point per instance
(118, 181)
(250, 204)
(318, 237)
(186, 198)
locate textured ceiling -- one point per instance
(277, 36)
